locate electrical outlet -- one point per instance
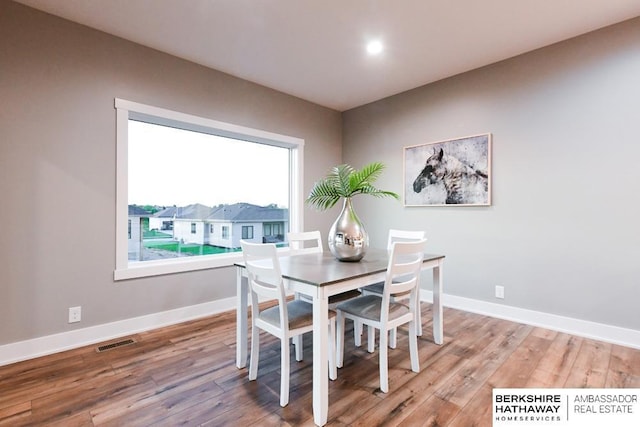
(500, 292)
(75, 314)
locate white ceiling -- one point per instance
(315, 50)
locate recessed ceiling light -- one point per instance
(374, 47)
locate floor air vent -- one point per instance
(115, 345)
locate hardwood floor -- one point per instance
(186, 375)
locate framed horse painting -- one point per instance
(455, 172)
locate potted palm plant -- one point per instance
(347, 239)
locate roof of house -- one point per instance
(231, 213)
(248, 212)
(135, 210)
(166, 212)
(194, 211)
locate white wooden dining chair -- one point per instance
(377, 288)
(382, 312)
(305, 242)
(287, 319)
(309, 242)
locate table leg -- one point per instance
(437, 304)
(241, 319)
(320, 358)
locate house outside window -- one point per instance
(157, 168)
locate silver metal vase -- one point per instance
(348, 240)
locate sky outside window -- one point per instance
(169, 166)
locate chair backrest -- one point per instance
(263, 269)
(305, 242)
(403, 270)
(403, 236)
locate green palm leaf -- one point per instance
(344, 181)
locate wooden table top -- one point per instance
(324, 269)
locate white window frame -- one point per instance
(126, 110)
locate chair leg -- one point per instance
(418, 316)
(333, 371)
(371, 338)
(284, 369)
(340, 339)
(255, 353)
(384, 362)
(357, 333)
(297, 343)
(413, 347)
(393, 340)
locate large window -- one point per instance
(190, 176)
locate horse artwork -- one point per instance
(453, 172)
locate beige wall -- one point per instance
(562, 235)
(58, 81)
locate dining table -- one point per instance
(319, 276)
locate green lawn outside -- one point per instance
(155, 234)
(194, 249)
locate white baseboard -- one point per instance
(50, 344)
(29, 349)
(582, 328)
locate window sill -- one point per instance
(181, 265)
(178, 265)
